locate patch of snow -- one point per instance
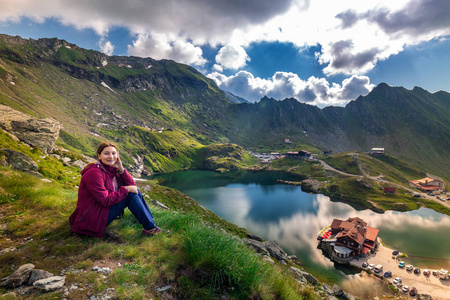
(107, 86)
(104, 63)
(68, 47)
(149, 66)
(130, 67)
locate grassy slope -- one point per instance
(90, 112)
(34, 219)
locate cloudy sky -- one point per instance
(322, 52)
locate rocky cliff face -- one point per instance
(41, 133)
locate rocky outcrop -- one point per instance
(311, 185)
(18, 277)
(303, 276)
(50, 284)
(18, 161)
(27, 275)
(41, 133)
(269, 248)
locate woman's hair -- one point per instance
(100, 149)
(103, 145)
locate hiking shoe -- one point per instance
(154, 231)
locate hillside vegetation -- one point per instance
(202, 258)
(131, 99)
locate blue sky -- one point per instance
(323, 52)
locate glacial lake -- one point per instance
(274, 211)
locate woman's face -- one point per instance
(108, 156)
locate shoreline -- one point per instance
(431, 285)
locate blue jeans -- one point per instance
(138, 207)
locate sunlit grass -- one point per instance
(200, 259)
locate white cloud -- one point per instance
(217, 68)
(282, 85)
(353, 35)
(159, 46)
(106, 46)
(232, 57)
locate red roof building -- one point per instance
(391, 190)
(354, 235)
(427, 184)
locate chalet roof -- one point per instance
(371, 233)
(336, 224)
(424, 183)
(353, 234)
(357, 220)
(355, 229)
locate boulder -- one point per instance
(79, 164)
(50, 284)
(254, 237)
(270, 248)
(41, 133)
(298, 274)
(303, 276)
(275, 250)
(19, 161)
(37, 274)
(257, 246)
(337, 291)
(19, 277)
(311, 279)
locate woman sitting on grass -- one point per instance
(106, 188)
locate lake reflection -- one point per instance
(292, 217)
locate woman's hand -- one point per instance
(132, 189)
(118, 164)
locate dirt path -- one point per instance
(330, 168)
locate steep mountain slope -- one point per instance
(413, 125)
(159, 111)
(85, 88)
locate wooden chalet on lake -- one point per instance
(347, 239)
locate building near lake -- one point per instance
(377, 151)
(345, 240)
(390, 190)
(428, 184)
(298, 154)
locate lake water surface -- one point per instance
(292, 217)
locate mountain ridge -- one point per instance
(94, 95)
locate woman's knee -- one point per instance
(136, 198)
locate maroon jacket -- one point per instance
(95, 196)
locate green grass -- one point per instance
(343, 162)
(200, 259)
(48, 166)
